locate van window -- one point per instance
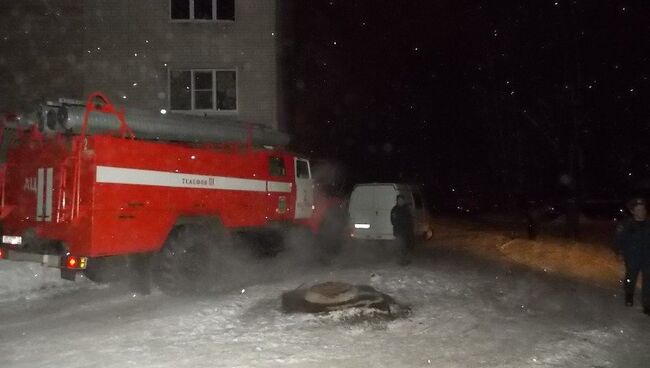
(276, 166)
(417, 199)
(302, 169)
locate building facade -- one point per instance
(203, 57)
(41, 43)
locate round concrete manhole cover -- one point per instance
(331, 293)
(336, 296)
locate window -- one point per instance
(276, 166)
(302, 169)
(203, 90)
(202, 9)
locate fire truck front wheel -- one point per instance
(186, 263)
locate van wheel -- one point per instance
(186, 263)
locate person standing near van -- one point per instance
(402, 220)
(632, 241)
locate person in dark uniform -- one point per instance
(632, 241)
(402, 220)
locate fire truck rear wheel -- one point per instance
(186, 263)
(104, 270)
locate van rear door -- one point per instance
(384, 201)
(369, 209)
(361, 211)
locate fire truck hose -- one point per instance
(170, 127)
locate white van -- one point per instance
(370, 205)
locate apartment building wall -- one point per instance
(131, 47)
(41, 43)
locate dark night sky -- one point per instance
(500, 97)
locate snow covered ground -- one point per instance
(28, 281)
(466, 312)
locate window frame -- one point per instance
(308, 165)
(192, 110)
(214, 19)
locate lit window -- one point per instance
(203, 90)
(202, 9)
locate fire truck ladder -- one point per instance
(96, 102)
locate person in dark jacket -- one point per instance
(402, 220)
(632, 241)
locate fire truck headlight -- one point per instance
(362, 226)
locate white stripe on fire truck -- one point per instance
(40, 188)
(44, 192)
(49, 190)
(279, 186)
(123, 175)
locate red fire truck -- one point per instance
(81, 187)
